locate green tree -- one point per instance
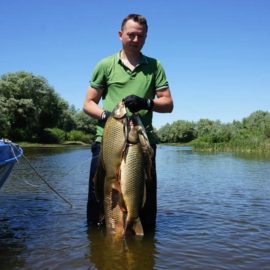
(178, 132)
(85, 123)
(31, 106)
(4, 118)
(258, 121)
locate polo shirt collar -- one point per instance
(143, 59)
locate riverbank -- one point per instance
(196, 146)
(255, 147)
(47, 145)
(262, 147)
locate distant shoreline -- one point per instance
(221, 147)
(48, 145)
(202, 147)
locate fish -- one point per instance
(112, 147)
(114, 141)
(124, 168)
(132, 189)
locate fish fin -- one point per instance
(115, 197)
(135, 228)
(118, 177)
(138, 228)
(116, 185)
(148, 154)
(125, 126)
(144, 195)
(126, 131)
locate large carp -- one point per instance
(125, 163)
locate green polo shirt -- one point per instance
(117, 82)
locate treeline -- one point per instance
(250, 134)
(31, 110)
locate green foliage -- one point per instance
(4, 119)
(67, 120)
(32, 104)
(29, 106)
(258, 121)
(53, 135)
(250, 134)
(78, 135)
(31, 110)
(178, 132)
(85, 123)
(213, 131)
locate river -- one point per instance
(213, 213)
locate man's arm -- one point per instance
(90, 105)
(164, 102)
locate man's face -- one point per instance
(133, 36)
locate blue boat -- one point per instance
(9, 155)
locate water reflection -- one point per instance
(11, 246)
(265, 157)
(111, 252)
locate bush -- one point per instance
(18, 134)
(53, 135)
(77, 135)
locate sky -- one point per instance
(216, 53)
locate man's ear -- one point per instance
(120, 33)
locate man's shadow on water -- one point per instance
(118, 252)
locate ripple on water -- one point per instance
(213, 213)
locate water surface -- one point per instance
(213, 213)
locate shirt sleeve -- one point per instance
(161, 79)
(98, 80)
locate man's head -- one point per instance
(133, 32)
(136, 18)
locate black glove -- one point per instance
(135, 103)
(104, 116)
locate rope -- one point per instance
(46, 182)
(37, 173)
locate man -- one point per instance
(141, 82)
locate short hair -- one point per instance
(136, 18)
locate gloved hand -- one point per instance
(104, 116)
(135, 103)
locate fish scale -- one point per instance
(113, 144)
(122, 171)
(112, 149)
(132, 183)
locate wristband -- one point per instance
(104, 116)
(150, 104)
